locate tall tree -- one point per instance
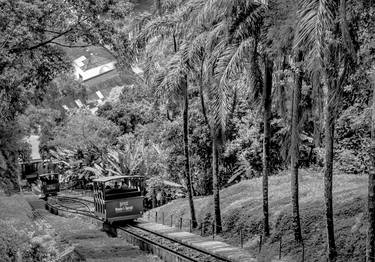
(267, 101)
(323, 30)
(294, 149)
(186, 150)
(215, 181)
(227, 32)
(158, 7)
(328, 170)
(367, 54)
(173, 81)
(370, 249)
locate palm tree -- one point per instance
(172, 82)
(231, 31)
(267, 101)
(158, 6)
(294, 151)
(186, 150)
(323, 30)
(226, 31)
(370, 249)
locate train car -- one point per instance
(30, 170)
(119, 198)
(50, 185)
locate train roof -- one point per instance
(31, 161)
(48, 174)
(109, 178)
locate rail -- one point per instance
(155, 243)
(62, 203)
(196, 249)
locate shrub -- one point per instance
(15, 246)
(10, 241)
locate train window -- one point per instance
(120, 186)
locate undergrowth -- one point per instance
(242, 211)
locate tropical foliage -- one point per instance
(229, 90)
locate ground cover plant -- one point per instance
(242, 210)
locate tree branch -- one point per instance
(70, 46)
(18, 49)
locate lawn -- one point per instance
(241, 207)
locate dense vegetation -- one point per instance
(229, 90)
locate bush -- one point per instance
(347, 161)
(15, 246)
(10, 241)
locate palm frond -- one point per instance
(96, 171)
(316, 19)
(219, 104)
(176, 70)
(233, 60)
(249, 26)
(114, 172)
(217, 34)
(197, 47)
(158, 28)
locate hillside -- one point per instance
(242, 209)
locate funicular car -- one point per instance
(119, 198)
(30, 170)
(50, 185)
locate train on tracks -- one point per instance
(116, 199)
(119, 198)
(49, 184)
(31, 170)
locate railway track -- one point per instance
(181, 250)
(71, 205)
(184, 251)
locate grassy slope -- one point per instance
(242, 209)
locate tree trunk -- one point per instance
(267, 100)
(329, 136)
(186, 151)
(255, 73)
(215, 182)
(281, 93)
(370, 249)
(294, 153)
(317, 108)
(158, 7)
(153, 197)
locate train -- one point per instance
(30, 170)
(42, 175)
(116, 198)
(119, 198)
(49, 184)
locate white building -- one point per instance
(83, 72)
(95, 67)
